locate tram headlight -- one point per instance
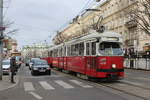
(113, 65)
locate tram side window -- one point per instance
(50, 53)
(76, 50)
(64, 51)
(72, 49)
(87, 49)
(93, 48)
(81, 49)
(61, 52)
(56, 53)
(68, 51)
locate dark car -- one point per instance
(40, 66)
(31, 62)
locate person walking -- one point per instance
(12, 68)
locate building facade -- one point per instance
(10, 46)
(114, 15)
(36, 50)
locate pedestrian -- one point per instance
(12, 68)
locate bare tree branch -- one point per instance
(9, 31)
(142, 15)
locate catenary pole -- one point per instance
(1, 37)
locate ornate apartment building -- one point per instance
(114, 15)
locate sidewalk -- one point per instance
(6, 84)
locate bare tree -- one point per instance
(9, 30)
(141, 15)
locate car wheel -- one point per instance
(32, 73)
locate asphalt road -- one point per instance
(137, 77)
(59, 87)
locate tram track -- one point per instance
(129, 89)
(124, 87)
(135, 85)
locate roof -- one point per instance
(93, 34)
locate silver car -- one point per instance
(6, 66)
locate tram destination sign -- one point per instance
(112, 38)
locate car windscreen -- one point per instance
(38, 62)
(6, 63)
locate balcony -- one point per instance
(131, 24)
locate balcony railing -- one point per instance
(131, 24)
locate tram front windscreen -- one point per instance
(110, 49)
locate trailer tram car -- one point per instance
(96, 55)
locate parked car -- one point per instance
(6, 66)
(40, 66)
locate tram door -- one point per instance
(91, 58)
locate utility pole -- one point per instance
(1, 37)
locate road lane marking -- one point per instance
(28, 86)
(46, 86)
(143, 78)
(133, 83)
(81, 84)
(127, 73)
(64, 84)
(42, 76)
(36, 95)
(121, 84)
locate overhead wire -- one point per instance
(86, 5)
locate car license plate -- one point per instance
(42, 70)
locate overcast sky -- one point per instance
(37, 20)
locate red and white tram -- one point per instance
(96, 55)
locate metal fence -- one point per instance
(137, 63)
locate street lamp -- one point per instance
(92, 10)
(98, 0)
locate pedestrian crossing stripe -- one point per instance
(46, 86)
(36, 95)
(81, 84)
(64, 84)
(28, 86)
